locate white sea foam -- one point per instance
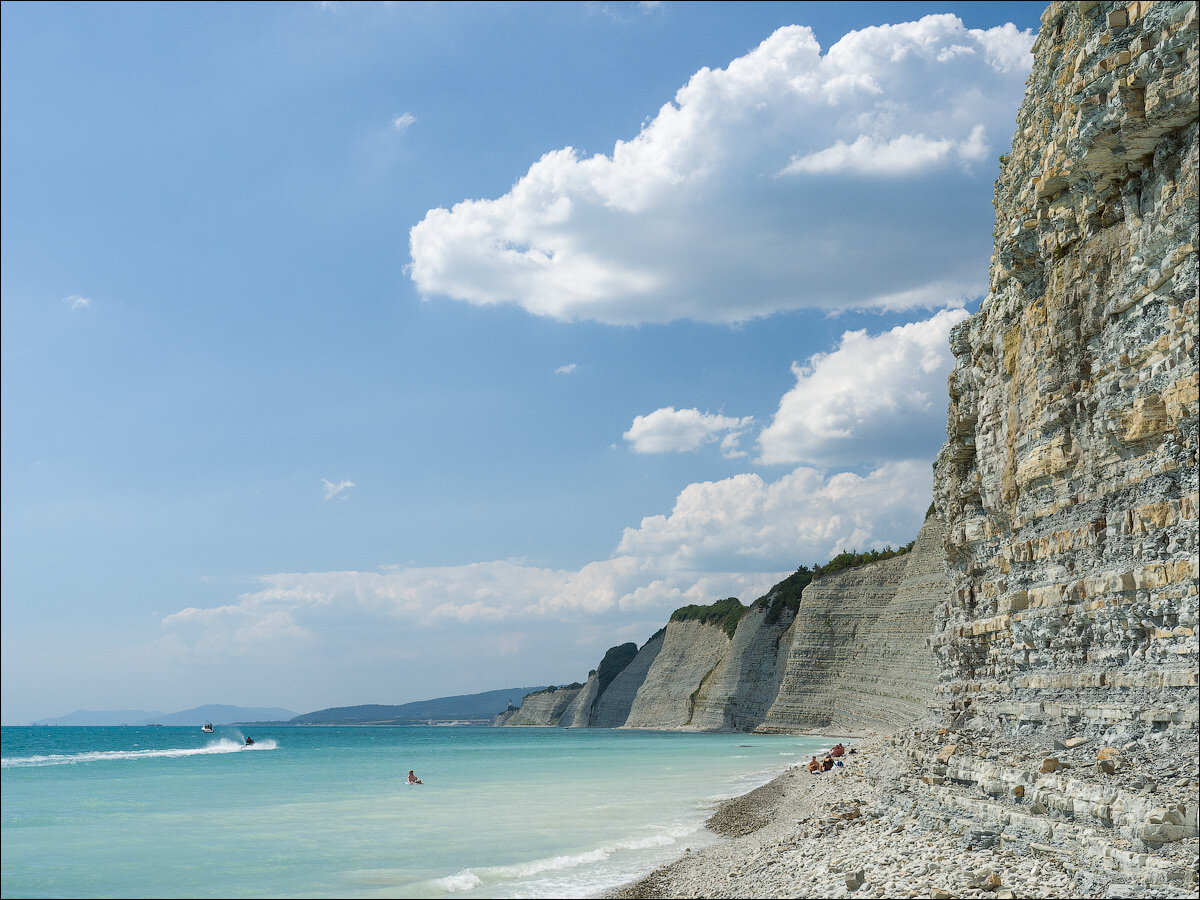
(224, 745)
(459, 881)
(470, 879)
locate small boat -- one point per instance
(207, 728)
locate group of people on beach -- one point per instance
(832, 760)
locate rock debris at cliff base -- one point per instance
(880, 831)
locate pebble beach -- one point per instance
(845, 835)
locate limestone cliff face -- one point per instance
(666, 698)
(612, 707)
(744, 684)
(579, 712)
(1069, 479)
(858, 656)
(836, 614)
(545, 708)
(855, 655)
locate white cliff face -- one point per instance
(854, 656)
(667, 697)
(836, 616)
(745, 682)
(544, 708)
(1069, 479)
(613, 706)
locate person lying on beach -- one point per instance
(413, 779)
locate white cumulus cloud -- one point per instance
(77, 302)
(403, 121)
(791, 178)
(671, 430)
(567, 369)
(875, 397)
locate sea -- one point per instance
(326, 811)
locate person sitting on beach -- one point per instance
(413, 779)
(827, 764)
(837, 751)
(814, 767)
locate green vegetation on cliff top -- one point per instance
(724, 614)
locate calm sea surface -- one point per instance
(324, 812)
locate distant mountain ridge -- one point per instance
(483, 706)
(217, 714)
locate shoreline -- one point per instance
(864, 834)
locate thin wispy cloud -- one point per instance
(333, 490)
(403, 121)
(567, 369)
(77, 302)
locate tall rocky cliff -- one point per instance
(1069, 479)
(852, 655)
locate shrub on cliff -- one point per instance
(852, 559)
(724, 614)
(786, 594)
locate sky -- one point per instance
(366, 353)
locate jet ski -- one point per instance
(249, 741)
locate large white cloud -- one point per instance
(671, 430)
(788, 179)
(875, 397)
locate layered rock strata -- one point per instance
(858, 657)
(853, 656)
(667, 697)
(744, 684)
(1069, 479)
(545, 707)
(612, 708)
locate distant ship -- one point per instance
(207, 728)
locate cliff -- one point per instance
(612, 708)
(666, 698)
(847, 650)
(744, 684)
(545, 707)
(1061, 589)
(1069, 479)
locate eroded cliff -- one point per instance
(1069, 479)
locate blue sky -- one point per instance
(373, 352)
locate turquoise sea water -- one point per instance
(320, 812)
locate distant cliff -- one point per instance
(845, 649)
